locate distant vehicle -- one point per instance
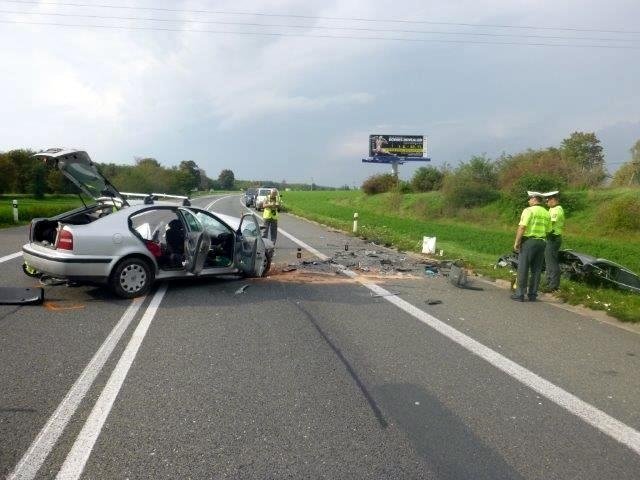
(128, 247)
(261, 196)
(249, 197)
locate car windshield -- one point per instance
(264, 191)
(212, 225)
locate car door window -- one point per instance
(249, 228)
(152, 224)
(193, 224)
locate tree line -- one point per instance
(22, 173)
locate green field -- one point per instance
(29, 208)
(478, 236)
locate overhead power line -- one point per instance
(339, 37)
(314, 27)
(315, 17)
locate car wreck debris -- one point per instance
(458, 276)
(21, 296)
(241, 289)
(585, 268)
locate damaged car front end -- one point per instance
(586, 268)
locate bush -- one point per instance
(468, 194)
(620, 214)
(427, 179)
(573, 202)
(404, 187)
(379, 183)
(516, 197)
(549, 162)
(471, 184)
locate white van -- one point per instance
(261, 196)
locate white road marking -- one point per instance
(32, 460)
(585, 411)
(10, 257)
(77, 458)
(215, 201)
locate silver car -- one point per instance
(128, 246)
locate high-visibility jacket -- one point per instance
(536, 220)
(270, 211)
(557, 219)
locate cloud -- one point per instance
(175, 94)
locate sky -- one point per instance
(291, 89)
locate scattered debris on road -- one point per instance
(430, 301)
(458, 277)
(241, 289)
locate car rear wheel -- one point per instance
(132, 277)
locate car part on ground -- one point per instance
(586, 268)
(21, 296)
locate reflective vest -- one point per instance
(536, 220)
(270, 211)
(557, 219)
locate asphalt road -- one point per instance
(311, 374)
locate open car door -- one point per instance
(196, 242)
(252, 251)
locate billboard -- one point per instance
(396, 146)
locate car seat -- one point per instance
(175, 242)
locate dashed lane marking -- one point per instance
(593, 416)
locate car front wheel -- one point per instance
(131, 278)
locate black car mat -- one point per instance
(21, 295)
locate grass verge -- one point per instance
(29, 208)
(386, 219)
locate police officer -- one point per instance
(535, 224)
(270, 216)
(554, 241)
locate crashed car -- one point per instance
(128, 245)
(589, 269)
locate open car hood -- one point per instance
(78, 167)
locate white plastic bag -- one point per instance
(428, 244)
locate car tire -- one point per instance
(132, 277)
(267, 266)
